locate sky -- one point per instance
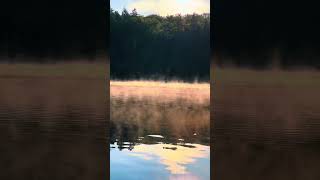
(162, 7)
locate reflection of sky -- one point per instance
(123, 166)
(150, 161)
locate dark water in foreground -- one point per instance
(264, 132)
(53, 128)
(159, 132)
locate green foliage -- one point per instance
(153, 46)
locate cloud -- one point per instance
(170, 7)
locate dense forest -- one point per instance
(156, 47)
(243, 33)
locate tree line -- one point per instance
(175, 46)
(243, 33)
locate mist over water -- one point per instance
(164, 127)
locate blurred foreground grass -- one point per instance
(70, 70)
(265, 77)
(222, 76)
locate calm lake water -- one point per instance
(266, 125)
(53, 128)
(159, 130)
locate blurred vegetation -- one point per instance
(61, 70)
(265, 78)
(156, 47)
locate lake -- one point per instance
(53, 124)
(266, 124)
(159, 130)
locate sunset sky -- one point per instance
(162, 7)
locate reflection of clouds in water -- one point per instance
(183, 177)
(143, 156)
(173, 110)
(174, 160)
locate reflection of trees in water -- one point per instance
(162, 112)
(179, 122)
(125, 145)
(121, 144)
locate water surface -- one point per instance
(159, 130)
(266, 125)
(52, 127)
